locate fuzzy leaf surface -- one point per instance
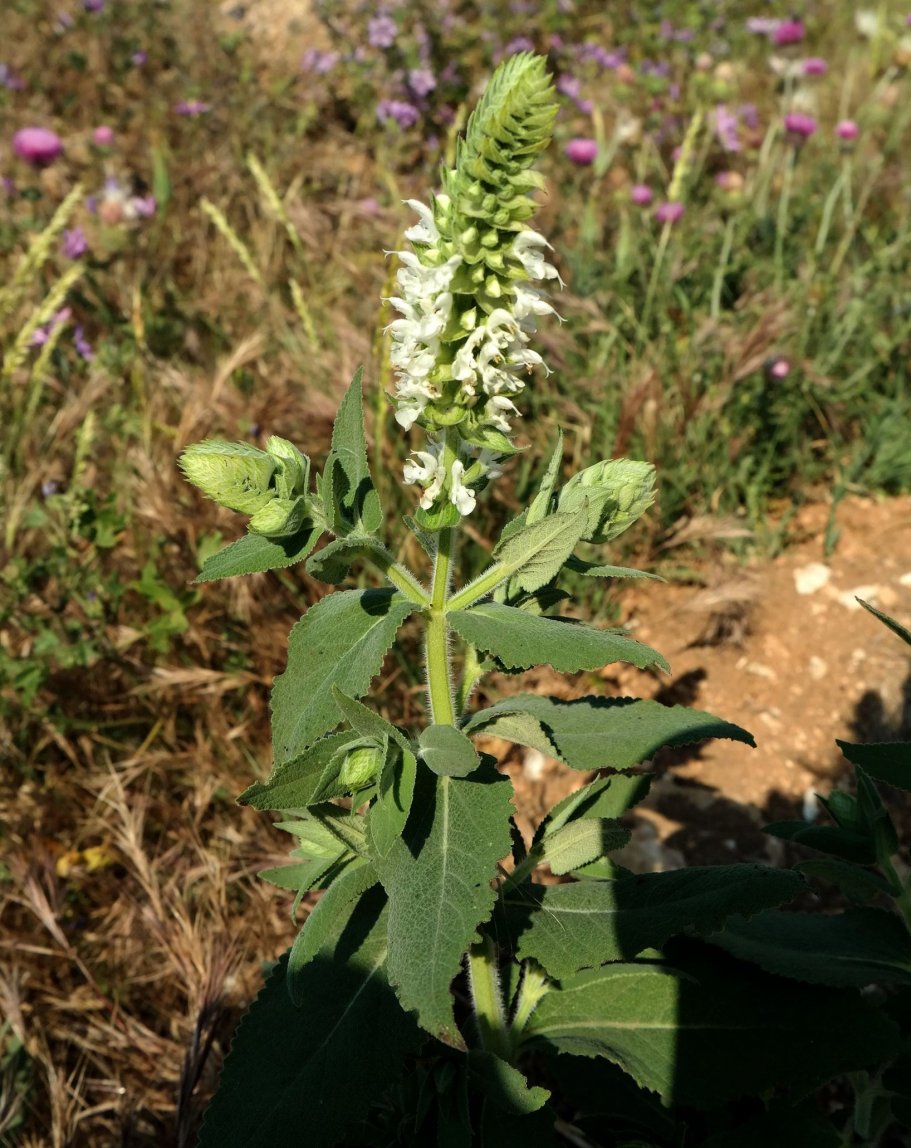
(858, 884)
(593, 570)
(351, 497)
(273, 1086)
(857, 947)
(580, 842)
(310, 777)
(888, 761)
(504, 1085)
(714, 1032)
(598, 733)
(832, 839)
(438, 878)
(254, 554)
(388, 814)
(537, 553)
(447, 751)
(341, 641)
(332, 563)
(570, 927)
(521, 639)
(366, 721)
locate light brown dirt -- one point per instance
(796, 669)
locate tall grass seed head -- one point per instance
(465, 296)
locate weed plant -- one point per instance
(198, 260)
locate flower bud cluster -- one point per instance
(270, 485)
(465, 297)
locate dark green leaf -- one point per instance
(580, 842)
(827, 839)
(447, 751)
(603, 797)
(801, 1127)
(388, 814)
(438, 877)
(504, 1085)
(855, 947)
(713, 1031)
(599, 733)
(889, 761)
(304, 780)
(254, 553)
(895, 627)
(341, 641)
(273, 1089)
(571, 927)
(366, 721)
(543, 502)
(520, 640)
(536, 554)
(592, 570)
(300, 876)
(332, 563)
(501, 1129)
(857, 883)
(354, 881)
(352, 499)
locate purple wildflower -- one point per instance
(581, 151)
(815, 66)
(318, 62)
(103, 136)
(82, 345)
(669, 211)
(641, 194)
(37, 146)
(569, 85)
(139, 58)
(405, 115)
(93, 5)
(763, 25)
(776, 368)
(74, 243)
(9, 79)
(847, 130)
(48, 487)
(800, 125)
(518, 44)
(42, 334)
(191, 108)
(381, 31)
(788, 32)
(421, 81)
(727, 128)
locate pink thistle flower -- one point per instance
(776, 368)
(800, 125)
(847, 130)
(815, 66)
(37, 146)
(103, 136)
(581, 151)
(788, 32)
(669, 212)
(641, 194)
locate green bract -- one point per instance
(618, 491)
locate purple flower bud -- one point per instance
(669, 211)
(815, 66)
(139, 58)
(74, 244)
(191, 108)
(788, 32)
(641, 194)
(37, 146)
(581, 151)
(847, 130)
(800, 125)
(776, 368)
(103, 136)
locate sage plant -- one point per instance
(436, 960)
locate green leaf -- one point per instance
(366, 721)
(350, 498)
(591, 570)
(827, 839)
(300, 876)
(303, 780)
(351, 884)
(537, 553)
(438, 878)
(520, 640)
(273, 1085)
(598, 733)
(712, 1031)
(889, 761)
(581, 842)
(571, 927)
(254, 554)
(504, 1085)
(388, 814)
(543, 502)
(341, 641)
(857, 947)
(857, 884)
(895, 627)
(801, 1127)
(617, 492)
(447, 751)
(605, 797)
(332, 563)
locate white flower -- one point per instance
(462, 497)
(496, 410)
(866, 21)
(428, 472)
(425, 230)
(526, 247)
(528, 305)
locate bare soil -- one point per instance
(781, 648)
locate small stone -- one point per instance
(818, 668)
(809, 579)
(848, 598)
(905, 579)
(533, 765)
(760, 670)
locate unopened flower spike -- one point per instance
(466, 298)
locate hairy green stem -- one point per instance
(534, 987)
(402, 579)
(439, 677)
(487, 998)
